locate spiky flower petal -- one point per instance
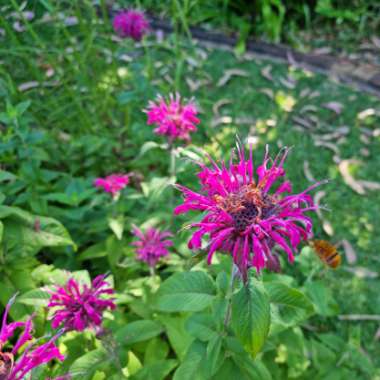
(174, 119)
(243, 217)
(152, 245)
(113, 183)
(131, 24)
(78, 307)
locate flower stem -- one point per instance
(111, 346)
(172, 174)
(227, 318)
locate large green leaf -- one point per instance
(35, 297)
(201, 326)
(179, 338)
(25, 234)
(138, 331)
(85, 366)
(251, 316)
(155, 371)
(191, 367)
(322, 298)
(289, 306)
(188, 291)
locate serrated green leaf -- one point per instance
(292, 306)
(188, 291)
(35, 297)
(251, 315)
(155, 371)
(138, 331)
(85, 366)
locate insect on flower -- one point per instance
(327, 253)
(243, 217)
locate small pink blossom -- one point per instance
(174, 119)
(113, 183)
(15, 366)
(152, 245)
(241, 215)
(131, 23)
(79, 307)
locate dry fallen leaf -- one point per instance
(334, 106)
(27, 86)
(228, 74)
(328, 145)
(194, 85)
(303, 122)
(268, 92)
(376, 41)
(219, 104)
(305, 93)
(326, 225)
(349, 251)
(344, 169)
(221, 120)
(370, 185)
(288, 82)
(306, 170)
(266, 72)
(364, 114)
(362, 272)
(308, 108)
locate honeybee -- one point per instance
(327, 252)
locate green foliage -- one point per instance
(187, 320)
(251, 316)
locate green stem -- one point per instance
(227, 317)
(110, 345)
(172, 173)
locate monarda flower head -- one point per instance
(244, 215)
(152, 245)
(174, 119)
(78, 307)
(15, 365)
(112, 184)
(131, 24)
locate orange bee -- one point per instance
(327, 252)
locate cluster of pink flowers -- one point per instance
(79, 307)
(174, 119)
(113, 183)
(152, 245)
(32, 356)
(242, 217)
(131, 24)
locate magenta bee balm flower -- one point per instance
(243, 217)
(15, 366)
(77, 307)
(113, 183)
(174, 119)
(152, 245)
(131, 24)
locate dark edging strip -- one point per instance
(366, 78)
